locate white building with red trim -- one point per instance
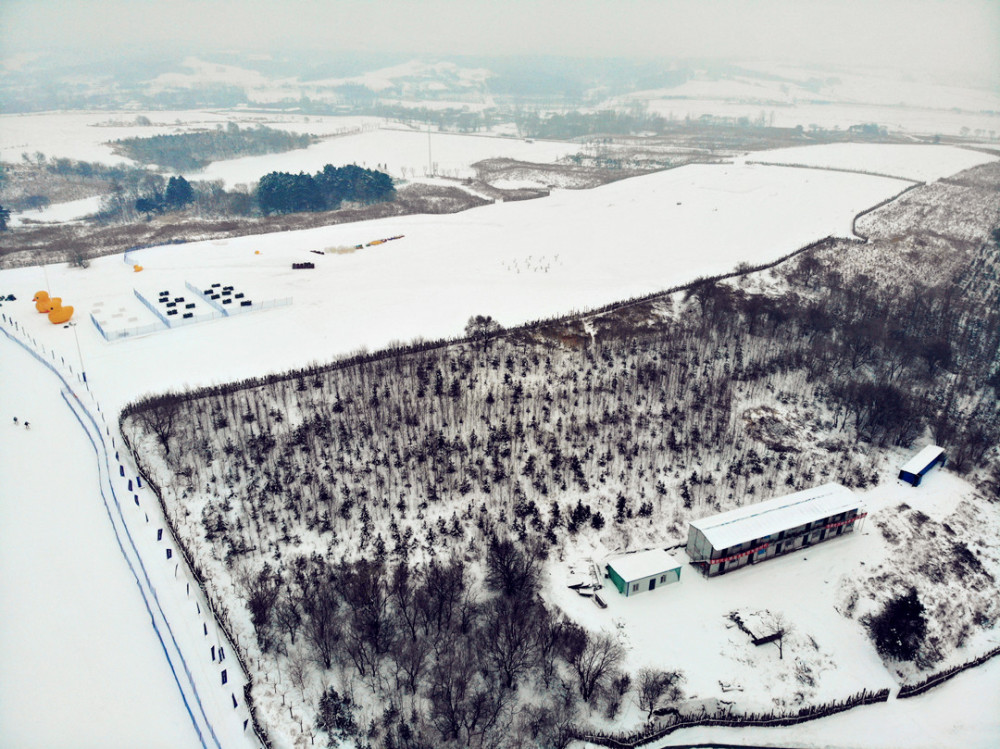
(747, 535)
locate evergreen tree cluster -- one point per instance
(187, 152)
(283, 192)
(899, 629)
(178, 194)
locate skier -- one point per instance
(15, 421)
(27, 425)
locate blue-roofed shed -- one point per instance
(921, 463)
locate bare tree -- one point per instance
(288, 616)
(322, 627)
(366, 597)
(509, 645)
(779, 625)
(656, 686)
(600, 657)
(509, 570)
(160, 419)
(481, 328)
(465, 705)
(260, 590)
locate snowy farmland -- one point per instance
(514, 261)
(366, 141)
(400, 152)
(931, 163)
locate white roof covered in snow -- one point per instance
(643, 564)
(774, 515)
(922, 459)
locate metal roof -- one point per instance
(775, 515)
(922, 459)
(643, 564)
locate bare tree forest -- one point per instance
(383, 521)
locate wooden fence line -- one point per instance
(865, 697)
(934, 680)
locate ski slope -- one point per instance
(98, 619)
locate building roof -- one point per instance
(922, 459)
(774, 515)
(643, 564)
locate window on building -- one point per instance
(635, 587)
(663, 578)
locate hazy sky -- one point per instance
(943, 34)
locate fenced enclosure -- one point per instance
(116, 334)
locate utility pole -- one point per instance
(79, 355)
(430, 161)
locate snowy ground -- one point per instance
(58, 213)
(400, 152)
(934, 162)
(789, 97)
(366, 141)
(101, 626)
(515, 261)
(826, 656)
(963, 712)
(76, 636)
(900, 120)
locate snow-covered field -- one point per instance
(81, 664)
(83, 135)
(400, 152)
(105, 643)
(838, 116)
(71, 210)
(788, 96)
(921, 163)
(365, 141)
(515, 261)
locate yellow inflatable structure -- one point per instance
(59, 315)
(52, 306)
(137, 268)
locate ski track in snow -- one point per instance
(159, 618)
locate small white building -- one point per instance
(643, 571)
(921, 463)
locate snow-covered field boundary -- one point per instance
(848, 170)
(877, 206)
(173, 627)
